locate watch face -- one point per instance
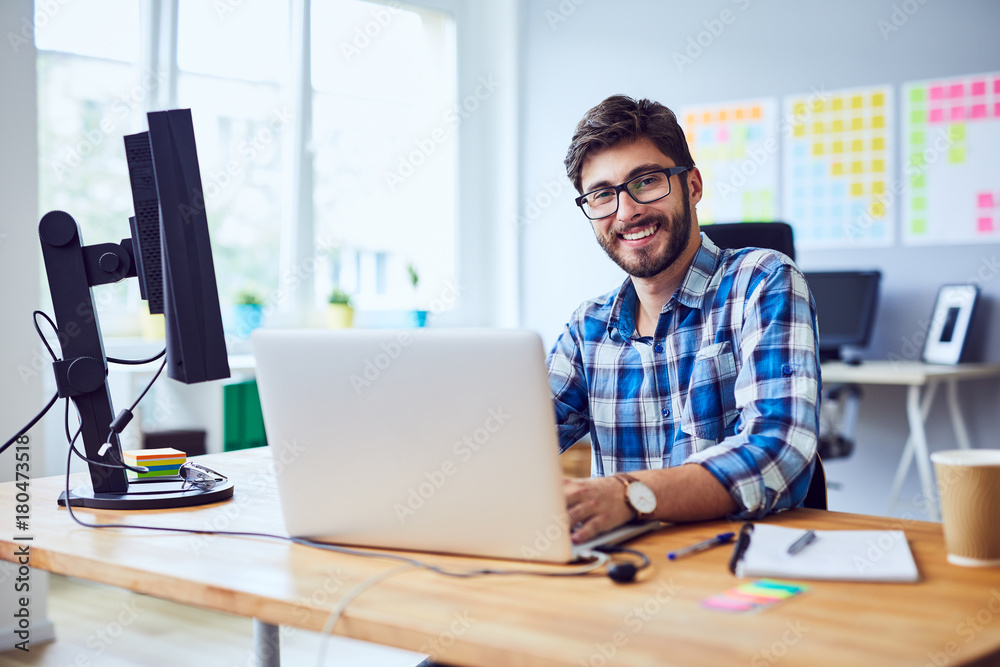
(641, 497)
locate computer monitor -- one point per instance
(171, 253)
(846, 302)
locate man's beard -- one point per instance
(643, 263)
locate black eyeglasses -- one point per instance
(198, 476)
(644, 189)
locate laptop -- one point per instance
(439, 440)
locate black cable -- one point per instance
(137, 362)
(34, 421)
(34, 319)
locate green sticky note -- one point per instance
(917, 139)
(917, 181)
(918, 226)
(918, 116)
(956, 132)
(917, 94)
(918, 204)
(917, 159)
(956, 155)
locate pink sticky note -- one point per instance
(996, 110)
(723, 134)
(985, 200)
(958, 113)
(978, 87)
(937, 92)
(937, 115)
(996, 86)
(956, 90)
(978, 111)
(985, 224)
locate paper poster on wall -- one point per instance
(838, 167)
(735, 146)
(951, 138)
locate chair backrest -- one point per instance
(774, 235)
(816, 493)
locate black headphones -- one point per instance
(625, 572)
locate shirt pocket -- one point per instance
(711, 401)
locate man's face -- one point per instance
(643, 239)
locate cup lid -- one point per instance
(967, 457)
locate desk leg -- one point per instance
(919, 439)
(266, 644)
(904, 462)
(957, 421)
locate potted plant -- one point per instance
(418, 317)
(339, 312)
(249, 307)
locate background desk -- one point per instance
(523, 620)
(922, 381)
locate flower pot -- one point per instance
(248, 318)
(339, 316)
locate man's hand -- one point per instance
(596, 505)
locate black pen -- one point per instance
(801, 543)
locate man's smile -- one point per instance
(641, 233)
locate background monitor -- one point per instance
(846, 303)
(173, 259)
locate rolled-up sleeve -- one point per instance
(767, 464)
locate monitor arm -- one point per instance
(82, 373)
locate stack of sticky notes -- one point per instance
(753, 596)
(161, 462)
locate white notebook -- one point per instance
(842, 555)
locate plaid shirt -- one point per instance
(729, 380)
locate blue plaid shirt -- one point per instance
(729, 380)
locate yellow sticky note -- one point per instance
(857, 167)
(878, 121)
(838, 168)
(838, 147)
(818, 128)
(838, 103)
(857, 189)
(857, 145)
(857, 123)
(857, 102)
(838, 125)
(723, 115)
(817, 106)
(878, 166)
(817, 149)
(878, 144)
(878, 187)
(877, 209)
(878, 99)
(799, 130)
(799, 109)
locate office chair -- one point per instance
(816, 493)
(774, 235)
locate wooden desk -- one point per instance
(918, 377)
(953, 614)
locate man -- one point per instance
(698, 379)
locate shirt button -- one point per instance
(658, 348)
(665, 412)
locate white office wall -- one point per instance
(577, 52)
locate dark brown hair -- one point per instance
(621, 120)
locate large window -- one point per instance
(376, 133)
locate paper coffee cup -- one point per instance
(969, 486)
